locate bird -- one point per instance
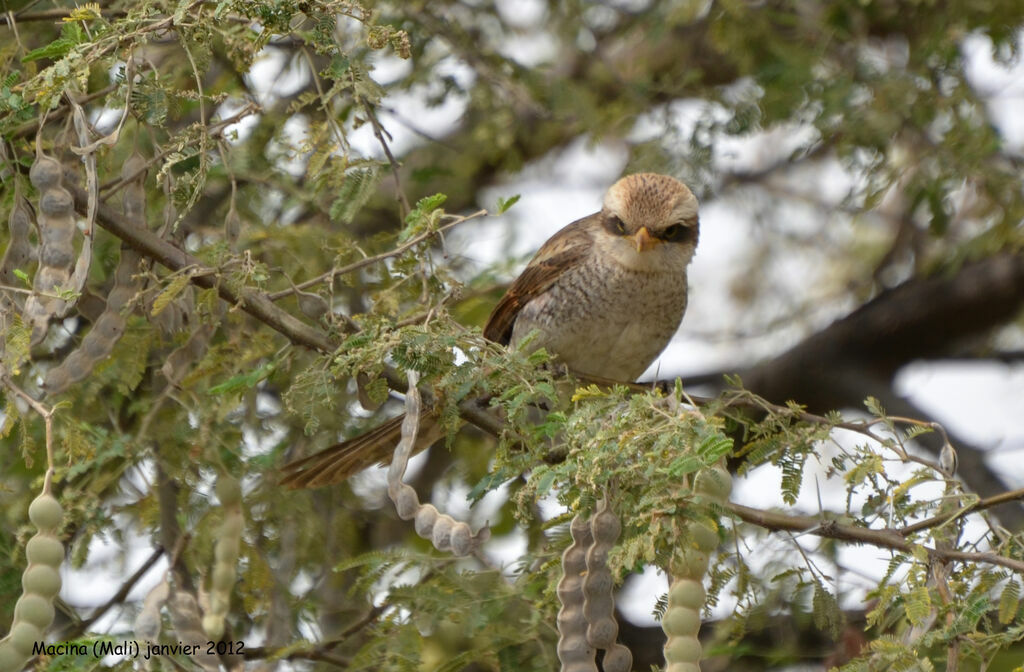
(604, 296)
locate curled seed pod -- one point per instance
(715, 482)
(574, 651)
(441, 535)
(425, 519)
(428, 522)
(46, 513)
(407, 502)
(461, 539)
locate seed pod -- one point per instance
(42, 580)
(407, 502)
(681, 622)
(687, 593)
(574, 652)
(9, 658)
(229, 490)
(34, 609)
(33, 612)
(693, 562)
(425, 519)
(46, 513)
(188, 624)
(598, 604)
(443, 531)
(682, 667)
(56, 225)
(43, 549)
(23, 637)
(19, 250)
(715, 482)
(225, 570)
(618, 659)
(703, 535)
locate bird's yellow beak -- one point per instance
(644, 240)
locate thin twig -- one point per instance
(369, 261)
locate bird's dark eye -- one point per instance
(615, 225)
(675, 233)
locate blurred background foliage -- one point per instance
(288, 144)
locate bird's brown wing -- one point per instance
(564, 250)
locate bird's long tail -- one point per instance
(338, 462)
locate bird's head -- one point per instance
(652, 221)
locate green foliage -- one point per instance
(881, 88)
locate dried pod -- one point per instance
(56, 225)
(19, 249)
(225, 553)
(148, 622)
(187, 623)
(407, 502)
(425, 519)
(441, 535)
(574, 652)
(46, 172)
(618, 659)
(428, 522)
(598, 602)
(108, 328)
(461, 539)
